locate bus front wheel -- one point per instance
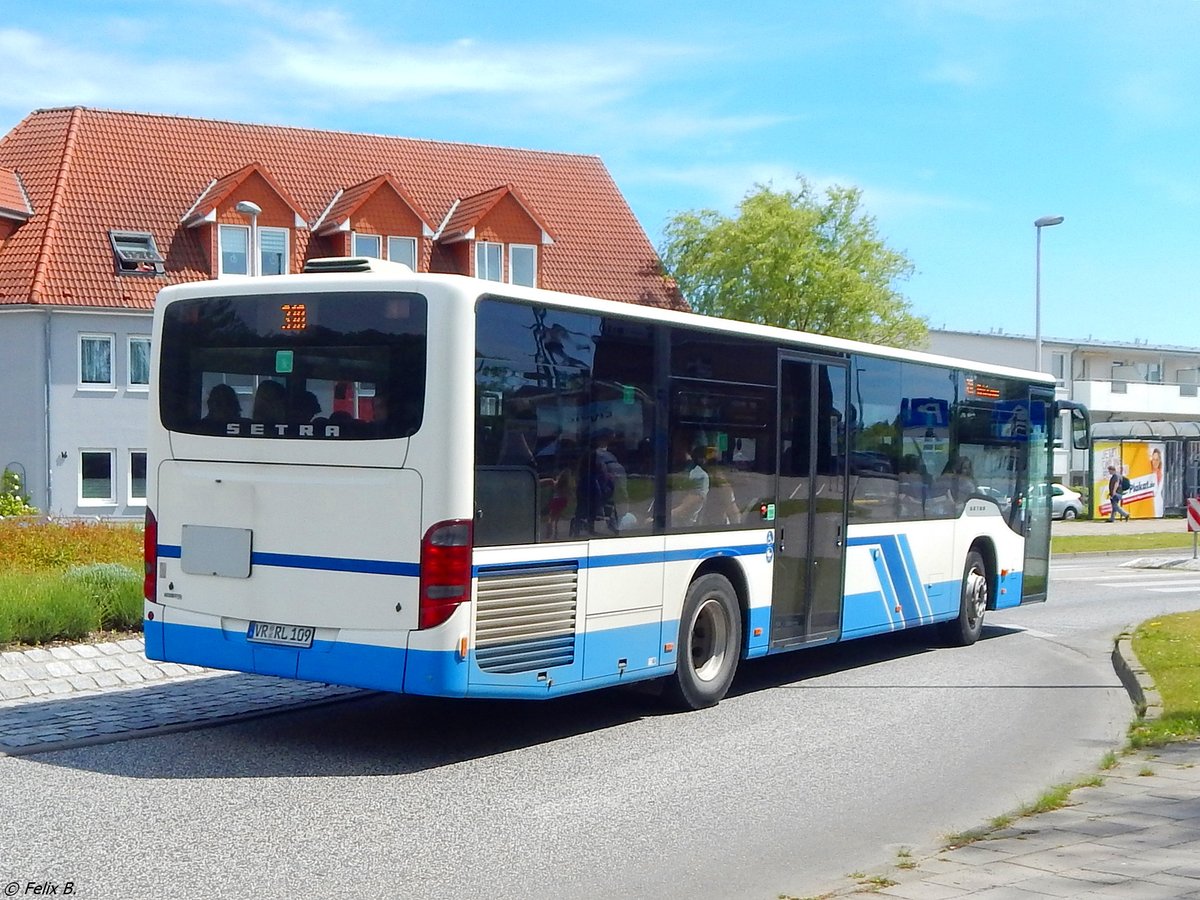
(710, 641)
(965, 630)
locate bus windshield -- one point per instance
(338, 366)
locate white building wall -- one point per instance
(23, 339)
(91, 418)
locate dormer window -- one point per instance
(235, 253)
(135, 253)
(522, 264)
(403, 250)
(489, 261)
(368, 245)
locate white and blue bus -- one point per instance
(437, 485)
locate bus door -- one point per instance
(811, 490)
(1038, 510)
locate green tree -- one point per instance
(796, 260)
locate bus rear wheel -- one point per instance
(965, 630)
(710, 642)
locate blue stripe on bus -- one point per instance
(902, 574)
(439, 673)
(413, 570)
(356, 665)
(323, 563)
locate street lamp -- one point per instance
(248, 208)
(1038, 225)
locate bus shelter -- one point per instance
(1161, 459)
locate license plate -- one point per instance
(283, 635)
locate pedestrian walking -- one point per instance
(1118, 484)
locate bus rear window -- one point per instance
(337, 366)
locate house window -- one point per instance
(234, 251)
(403, 250)
(139, 362)
(95, 360)
(489, 261)
(96, 478)
(137, 477)
(273, 251)
(368, 245)
(135, 253)
(522, 264)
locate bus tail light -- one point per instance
(445, 571)
(150, 555)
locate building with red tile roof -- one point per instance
(100, 209)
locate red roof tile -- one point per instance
(13, 202)
(220, 190)
(353, 197)
(88, 171)
(467, 213)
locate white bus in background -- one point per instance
(436, 485)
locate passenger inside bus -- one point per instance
(690, 485)
(270, 403)
(223, 406)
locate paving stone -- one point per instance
(107, 679)
(58, 669)
(108, 664)
(59, 686)
(64, 653)
(171, 670)
(10, 690)
(86, 651)
(38, 655)
(130, 676)
(132, 645)
(13, 673)
(108, 648)
(83, 682)
(150, 673)
(84, 666)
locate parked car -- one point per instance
(1064, 502)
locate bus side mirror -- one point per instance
(1080, 424)
(1079, 429)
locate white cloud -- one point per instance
(42, 73)
(722, 187)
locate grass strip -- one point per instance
(1100, 543)
(1168, 647)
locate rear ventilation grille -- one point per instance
(525, 617)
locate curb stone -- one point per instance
(1135, 678)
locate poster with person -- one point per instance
(1142, 462)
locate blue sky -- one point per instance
(961, 120)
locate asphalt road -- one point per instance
(820, 763)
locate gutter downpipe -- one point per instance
(46, 429)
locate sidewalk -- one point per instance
(73, 695)
(1103, 526)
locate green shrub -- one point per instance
(13, 499)
(45, 607)
(114, 589)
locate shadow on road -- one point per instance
(365, 733)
